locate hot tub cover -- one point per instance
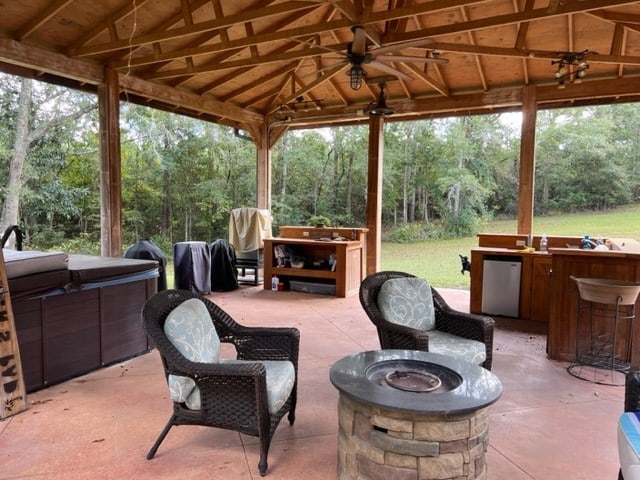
(88, 268)
(20, 263)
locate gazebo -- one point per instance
(265, 67)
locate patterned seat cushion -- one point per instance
(457, 347)
(408, 302)
(629, 445)
(190, 329)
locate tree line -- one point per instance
(181, 177)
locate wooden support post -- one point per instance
(12, 389)
(374, 193)
(110, 166)
(263, 179)
(527, 161)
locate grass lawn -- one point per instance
(438, 260)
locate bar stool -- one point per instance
(606, 311)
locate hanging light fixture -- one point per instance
(356, 75)
(301, 105)
(380, 108)
(572, 67)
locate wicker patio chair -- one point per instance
(628, 435)
(233, 394)
(396, 336)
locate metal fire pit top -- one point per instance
(413, 375)
(465, 387)
(413, 380)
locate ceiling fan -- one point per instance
(379, 108)
(358, 55)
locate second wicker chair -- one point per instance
(448, 323)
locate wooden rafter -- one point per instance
(180, 32)
(41, 19)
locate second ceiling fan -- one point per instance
(358, 55)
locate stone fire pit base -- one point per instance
(382, 444)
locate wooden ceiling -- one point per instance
(244, 62)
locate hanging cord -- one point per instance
(131, 35)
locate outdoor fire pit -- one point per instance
(412, 415)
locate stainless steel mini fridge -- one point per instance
(501, 285)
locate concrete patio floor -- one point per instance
(547, 425)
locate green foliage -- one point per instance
(83, 243)
(317, 220)
(409, 233)
(462, 225)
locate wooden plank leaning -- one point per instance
(13, 397)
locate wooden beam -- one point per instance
(374, 193)
(263, 169)
(529, 54)
(189, 100)
(47, 61)
(432, 82)
(526, 188)
(612, 88)
(509, 99)
(110, 167)
(245, 62)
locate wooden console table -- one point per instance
(348, 272)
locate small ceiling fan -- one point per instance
(358, 55)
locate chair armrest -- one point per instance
(632, 392)
(466, 325)
(463, 324)
(263, 343)
(199, 370)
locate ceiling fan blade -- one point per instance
(388, 69)
(409, 58)
(359, 44)
(324, 69)
(399, 46)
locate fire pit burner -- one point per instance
(412, 381)
(411, 375)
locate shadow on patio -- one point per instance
(547, 425)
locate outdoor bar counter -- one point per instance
(620, 263)
(549, 294)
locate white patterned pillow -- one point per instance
(408, 302)
(190, 329)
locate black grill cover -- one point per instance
(145, 249)
(192, 263)
(224, 275)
